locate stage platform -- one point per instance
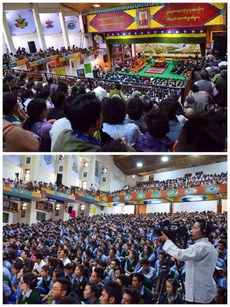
(165, 74)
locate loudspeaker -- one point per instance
(32, 47)
(220, 45)
(59, 179)
(70, 209)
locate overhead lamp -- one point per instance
(139, 164)
(104, 170)
(58, 207)
(164, 159)
(86, 164)
(82, 207)
(96, 5)
(134, 176)
(24, 205)
(193, 198)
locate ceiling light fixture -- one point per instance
(164, 159)
(139, 164)
(96, 5)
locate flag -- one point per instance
(20, 22)
(50, 23)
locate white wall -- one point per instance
(207, 169)
(224, 205)
(132, 181)
(9, 170)
(163, 207)
(22, 41)
(196, 206)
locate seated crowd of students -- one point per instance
(140, 187)
(107, 259)
(59, 118)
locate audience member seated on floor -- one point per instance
(135, 109)
(91, 294)
(99, 91)
(44, 93)
(114, 122)
(16, 139)
(171, 295)
(117, 91)
(199, 101)
(37, 122)
(155, 139)
(96, 231)
(29, 295)
(202, 133)
(171, 107)
(205, 85)
(10, 108)
(85, 115)
(221, 86)
(58, 100)
(111, 294)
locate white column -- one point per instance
(38, 25)
(64, 29)
(7, 35)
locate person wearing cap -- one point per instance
(200, 261)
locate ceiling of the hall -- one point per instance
(153, 163)
(86, 7)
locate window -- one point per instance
(104, 179)
(85, 174)
(84, 185)
(61, 168)
(28, 160)
(188, 175)
(27, 174)
(199, 173)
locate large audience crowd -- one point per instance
(83, 259)
(56, 116)
(140, 187)
(22, 54)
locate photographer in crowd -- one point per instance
(200, 261)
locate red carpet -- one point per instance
(156, 70)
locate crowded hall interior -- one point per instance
(115, 77)
(114, 229)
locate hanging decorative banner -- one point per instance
(116, 21)
(20, 22)
(61, 71)
(50, 23)
(72, 24)
(158, 16)
(48, 162)
(87, 68)
(186, 14)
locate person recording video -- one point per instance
(200, 261)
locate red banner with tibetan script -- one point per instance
(113, 21)
(186, 14)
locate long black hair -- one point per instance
(34, 110)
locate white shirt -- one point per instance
(200, 262)
(39, 266)
(100, 93)
(57, 127)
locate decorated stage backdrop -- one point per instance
(158, 16)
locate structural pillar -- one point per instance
(7, 35)
(63, 27)
(171, 207)
(38, 25)
(219, 205)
